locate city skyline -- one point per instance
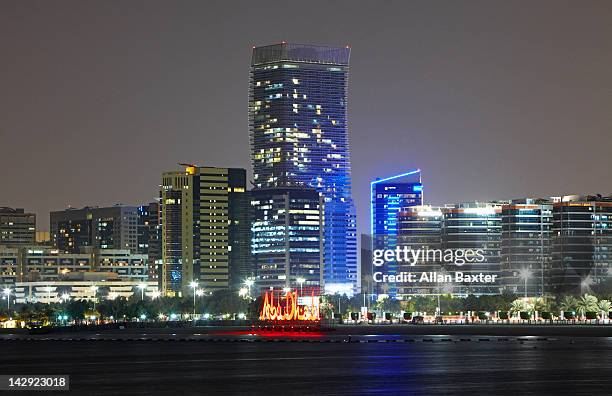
(322, 197)
(453, 95)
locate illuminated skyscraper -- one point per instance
(299, 138)
(389, 196)
(204, 228)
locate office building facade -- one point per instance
(581, 244)
(475, 226)
(420, 228)
(389, 196)
(204, 221)
(299, 138)
(525, 246)
(44, 264)
(17, 227)
(114, 227)
(287, 237)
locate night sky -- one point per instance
(492, 99)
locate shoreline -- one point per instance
(389, 330)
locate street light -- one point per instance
(525, 273)
(142, 288)
(65, 297)
(94, 289)
(7, 293)
(49, 294)
(155, 294)
(249, 282)
(194, 285)
(585, 284)
(243, 292)
(301, 282)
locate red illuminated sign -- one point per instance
(279, 305)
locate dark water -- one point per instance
(427, 366)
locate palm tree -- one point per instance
(604, 306)
(587, 303)
(518, 306)
(568, 304)
(539, 304)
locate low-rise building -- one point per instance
(91, 288)
(45, 264)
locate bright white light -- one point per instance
(143, 316)
(155, 294)
(243, 292)
(286, 289)
(200, 292)
(65, 297)
(241, 316)
(339, 288)
(480, 211)
(301, 280)
(428, 211)
(524, 273)
(142, 286)
(6, 291)
(249, 282)
(193, 284)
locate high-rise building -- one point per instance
(144, 229)
(154, 244)
(389, 196)
(581, 244)
(203, 227)
(114, 227)
(475, 225)
(299, 138)
(525, 245)
(17, 227)
(287, 237)
(420, 228)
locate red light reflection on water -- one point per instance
(270, 333)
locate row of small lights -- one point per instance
(244, 291)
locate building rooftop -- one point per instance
(301, 53)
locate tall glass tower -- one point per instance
(298, 130)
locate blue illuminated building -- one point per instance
(287, 236)
(389, 196)
(299, 138)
